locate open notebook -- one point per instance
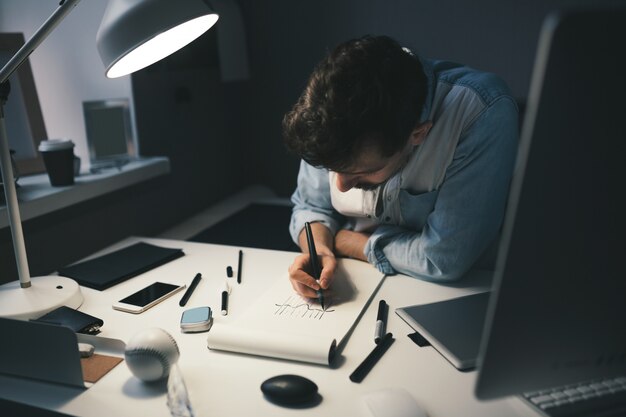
(282, 324)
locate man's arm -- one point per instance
(351, 244)
(312, 204)
(469, 208)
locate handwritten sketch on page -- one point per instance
(297, 306)
(282, 324)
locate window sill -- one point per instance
(37, 197)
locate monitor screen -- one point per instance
(109, 131)
(558, 310)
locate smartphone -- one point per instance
(147, 297)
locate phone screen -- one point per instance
(147, 295)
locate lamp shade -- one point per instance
(137, 33)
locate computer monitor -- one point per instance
(557, 314)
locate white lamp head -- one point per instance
(137, 33)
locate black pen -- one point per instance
(366, 366)
(380, 321)
(315, 269)
(239, 267)
(189, 291)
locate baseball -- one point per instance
(151, 353)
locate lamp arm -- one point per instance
(65, 6)
(10, 193)
(12, 207)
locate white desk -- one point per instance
(228, 384)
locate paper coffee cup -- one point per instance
(58, 157)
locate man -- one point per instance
(406, 162)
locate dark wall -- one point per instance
(223, 136)
(286, 38)
(185, 112)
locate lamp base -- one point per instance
(44, 295)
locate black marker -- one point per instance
(229, 271)
(189, 291)
(239, 268)
(315, 269)
(366, 366)
(225, 293)
(380, 321)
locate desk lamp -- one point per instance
(133, 34)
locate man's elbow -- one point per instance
(439, 272)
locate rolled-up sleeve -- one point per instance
(469, 209)
(311, 201)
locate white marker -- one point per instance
(380, 321)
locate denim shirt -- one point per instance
(445, 207)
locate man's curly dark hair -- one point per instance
(366, 91)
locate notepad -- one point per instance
(107, 270)
(281, 324)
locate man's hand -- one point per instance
(351, 244)
(303, 283)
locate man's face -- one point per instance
(371, 169)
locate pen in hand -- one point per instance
(314, 261)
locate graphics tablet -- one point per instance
(453, 327)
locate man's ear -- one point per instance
(420, 132)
